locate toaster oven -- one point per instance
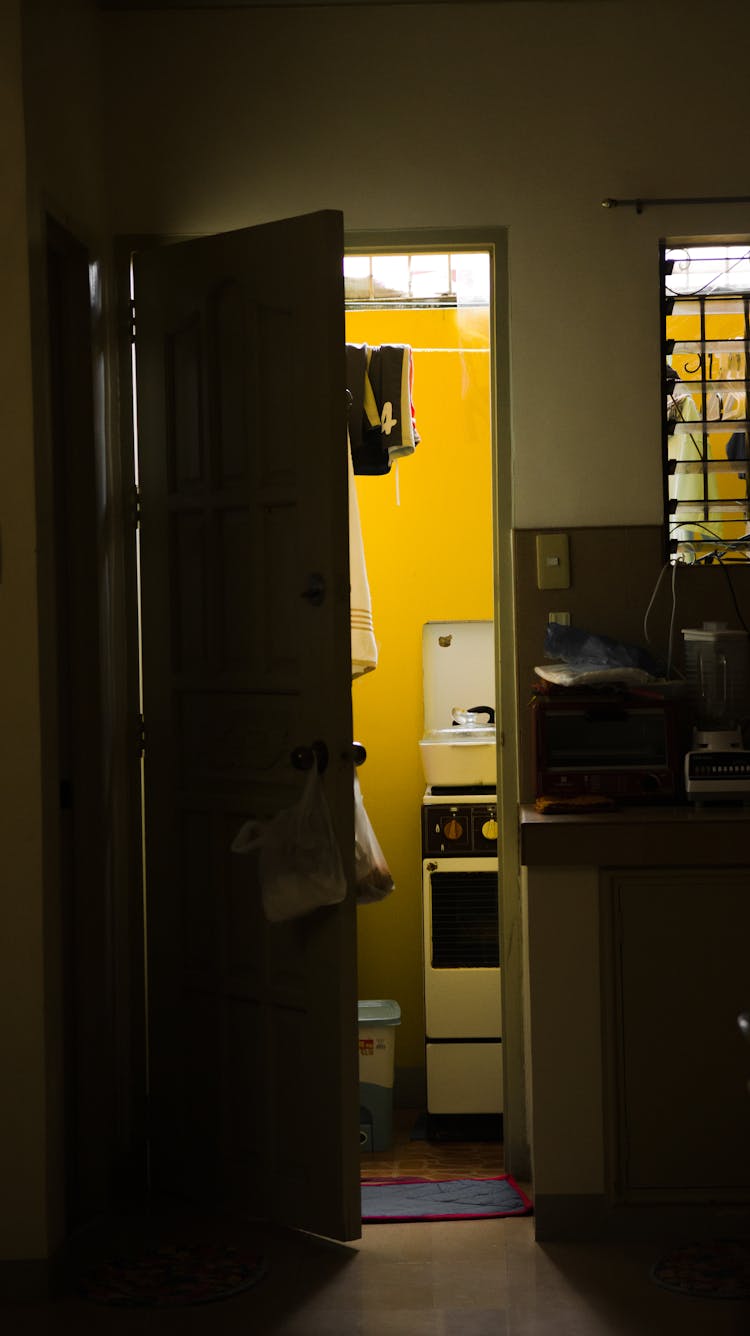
(622, 745)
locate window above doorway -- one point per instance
(706, 413)
(417, 279)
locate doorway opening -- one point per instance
(428, 536)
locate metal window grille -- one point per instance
(706, 341)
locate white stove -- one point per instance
(460, 897)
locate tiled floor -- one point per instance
(420, 1158)
(469, 1278)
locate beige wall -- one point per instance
(525, 115)
(49, 124)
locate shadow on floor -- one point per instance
(298, 1267)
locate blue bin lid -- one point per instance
(378, 1011)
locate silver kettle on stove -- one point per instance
(472, 717)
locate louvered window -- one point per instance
(706, 330)
(465, 920)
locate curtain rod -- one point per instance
(639, 204)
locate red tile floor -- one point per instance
(431, 1159)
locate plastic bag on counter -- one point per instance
(587, 652)
(299, 862)
(568, 675)
(372, 875)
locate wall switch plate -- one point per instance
(552, 561)
(562, 618)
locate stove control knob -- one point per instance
(453, 830)
(489, 829)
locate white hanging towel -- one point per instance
(364, 648)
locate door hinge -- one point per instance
(132, 322)
(137, 513)
(141, 735)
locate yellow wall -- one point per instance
(427, 531)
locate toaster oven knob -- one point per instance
(489, 829)
(453, 830)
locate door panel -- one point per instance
(242, 450)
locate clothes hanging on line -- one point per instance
(699, 492)
(364, 646)
(382, 421)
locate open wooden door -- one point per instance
(246, 657)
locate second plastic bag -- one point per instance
(299, 862)
(372, 874)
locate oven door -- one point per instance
(460, 899)
(463, 1050)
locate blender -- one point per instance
(717, 662)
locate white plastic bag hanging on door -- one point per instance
(372, 874)
(299, 862)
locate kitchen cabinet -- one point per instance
(637, 954)
(676, 979)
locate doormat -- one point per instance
(387, 1200)
(174, 1276)
(716, 1270)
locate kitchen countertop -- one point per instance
(634, 836)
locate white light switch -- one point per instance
(552, 561)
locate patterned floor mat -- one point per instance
(173, 1276)
(717, 1270)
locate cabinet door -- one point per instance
(682, 942)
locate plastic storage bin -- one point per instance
(377, 1033)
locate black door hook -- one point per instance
(304, 758)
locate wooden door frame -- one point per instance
(85, 1080)
(130, 669)
(495, 240)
